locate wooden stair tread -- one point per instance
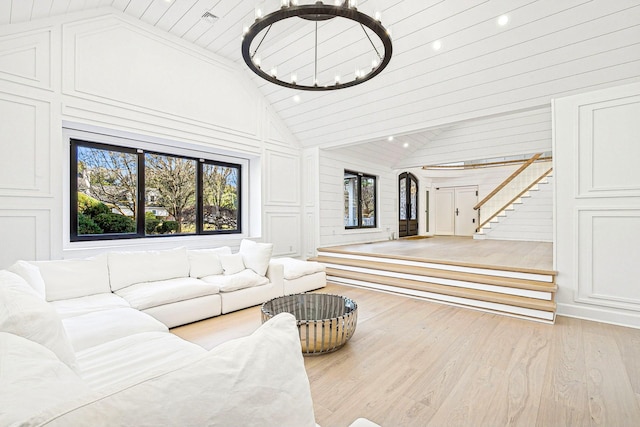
(473, 294)
(442, 274)
(443, 262)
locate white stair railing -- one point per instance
(511, 189)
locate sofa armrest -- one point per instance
(275, 274)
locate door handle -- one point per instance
(457, 212)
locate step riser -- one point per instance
(546, 296)
(503, 309)
(446, 267)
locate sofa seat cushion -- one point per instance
(247, 278)
(295, 268)
(84, 305)
(91, 329)
(32, 379)
(152, 294)
(258, 380)
(138, 355)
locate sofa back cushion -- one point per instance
(74, 278)
(24, 313)
(33, 379)
(206, 262)
(31, 274)
(128, 268)
(256, 256)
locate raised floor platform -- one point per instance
(505, 277)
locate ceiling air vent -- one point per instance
(209, 17)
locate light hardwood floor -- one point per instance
(417, 363)
(466, 250)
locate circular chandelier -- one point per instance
(374, 33)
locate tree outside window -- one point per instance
(112, 185)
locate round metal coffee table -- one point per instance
(325, 322)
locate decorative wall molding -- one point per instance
(28, 231)
(605, 271)
(609, 151)
(117, 62)
(25, 169)
(25, 58)
(283, 231)
(283, 176)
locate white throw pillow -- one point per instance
(128, 268)
(31, 274)
(74, 278)
(232, 264)
(24, 313)
(33, 379)
(206, 262)
(256, 256)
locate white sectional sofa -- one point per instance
(86, 342)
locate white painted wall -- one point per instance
(597, 227)
(107, 72)
(332, 165)
(510, 134)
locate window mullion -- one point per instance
(141, 203)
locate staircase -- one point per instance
(511, 193)
(528, 218)
(528, 294)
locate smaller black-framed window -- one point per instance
(179, 195)
(360, 200)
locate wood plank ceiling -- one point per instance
(547, 49)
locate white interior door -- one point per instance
(454, 211)
(445, 207)
(466, 216)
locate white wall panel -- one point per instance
(597, 225)
(607, 275)
(282, 178)
(283, 233)
(25, 166)
(610, 148)
(119, 63)
(25, 59)
(25, 235)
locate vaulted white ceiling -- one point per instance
(547, 49)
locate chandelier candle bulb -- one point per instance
(294, 78)
(353, 4)
(284, 3)
(258, 13)
(257, 62)
(337, 79)
(378, 16)
(274, 72)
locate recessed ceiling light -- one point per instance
(503, 20)
(436, 45)
(405, 145)
(296, 98)
(390, 138)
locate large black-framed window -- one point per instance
(360, 200)
(122, 193)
